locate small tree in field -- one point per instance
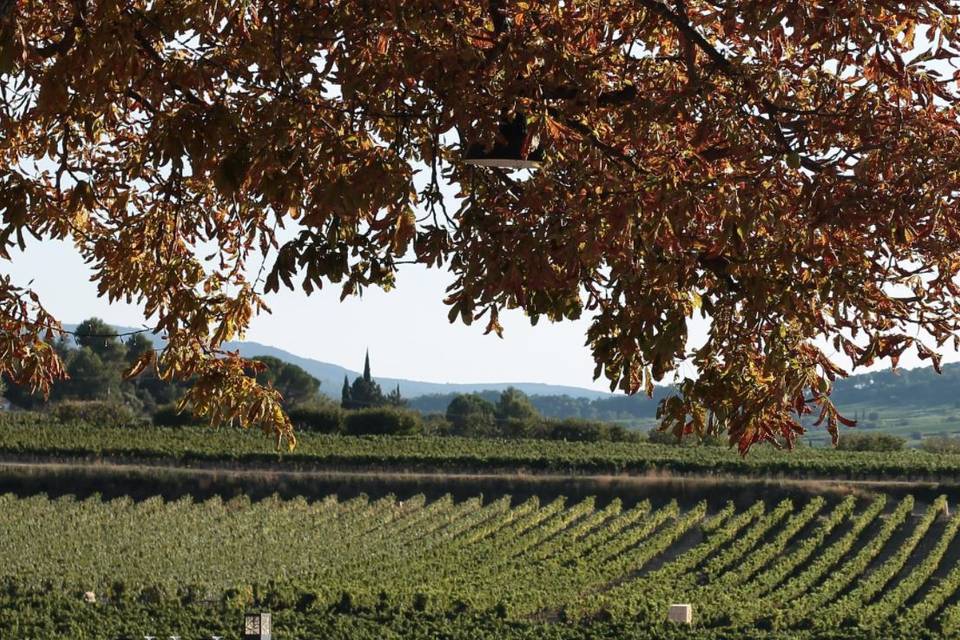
(469, 414)
(295, 385)
(514, 404)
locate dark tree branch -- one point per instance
(145, 45)
(499, 18)
(588, 134)
(690, 34)
(69, 33)
(131, 93)
(620, 97)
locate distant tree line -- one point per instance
(881, 391)
(916, 387)
(97, 392)
(619, 407)
(513, 414)
(941, 444)
(510, 415)
(95, 360)
(870, 442)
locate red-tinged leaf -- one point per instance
(822, 416)
(847, 422)
(141, 363)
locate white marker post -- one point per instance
(256, 626)
(682, 613)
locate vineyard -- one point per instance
(817, 565)
(189, 445)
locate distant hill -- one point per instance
(908, 402)
(331, 375)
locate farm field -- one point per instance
(912, 421)
(201, 445)
(816, 566)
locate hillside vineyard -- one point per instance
(814, 563)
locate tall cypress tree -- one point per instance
(394, 398)
(345, 400)
(366, 368)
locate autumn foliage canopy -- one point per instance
(789, 170)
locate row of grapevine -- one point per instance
(727, 589)
(848, 570)
(893, 598)
(742, 605)
(618, 598)
(842, 609)
(557, 571)
(194, 444)
(784, 596)
(791, 565)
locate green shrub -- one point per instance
(99, 413)
(317, 419)
(471, 415)
(435, 424)
(384, 602)
(383, 421)
(276, 595)
(721, 441)
(154, 594)
(345, 604)
(118, 591)
(662, 437)
(306, 600)
(522, 428)
(192, 593)
(577, 430)
(870, 442)
(420, 601)
(619, 433)
(582, 430)
(168, 416)
(667, 437)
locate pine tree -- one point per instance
(366, 369)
